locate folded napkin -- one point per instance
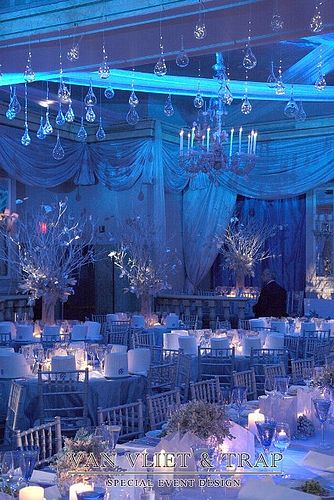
(319, 461)
(52, 493)
(254, 490)
(42, 477)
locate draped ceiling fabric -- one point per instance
(285, 168)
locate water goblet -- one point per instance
(115, 431)
(28, 459)
(239, 399)
(282, 441)
(322, 406)
(266, 432)
(225, 395)
(100, 354)
(269, 386)
(281, 385)
(7, 468)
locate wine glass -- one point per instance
(322, 406)
(269, 386)
(225, 395)
(28, 460)
(100, 354)
(307, 375)
(7, 468)
(239, 399)
(281, 385)
(266, 431)
(282, 441)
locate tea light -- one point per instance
(78, 488)
(162, 466)
(252, 419)
(32, 493)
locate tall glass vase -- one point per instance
(146, 305)
(49, 302)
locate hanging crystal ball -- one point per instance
(249, 61)
(316, 23)
(60, 118)
(132, 116)
(160, 69)
(321, 83)
(41, 132)
(109, 93)
(63, 92)
(182, 59)
(58, 152)
(280, 88)
(291, 109)
(301, 115)
(198, 101)
(73, 53)
(29, 74)
(200, 31)
(10, 115)
(82, 134)
(246, 106)
(277, 23)
(100, 134)
(90, 115)
(25, 139)
(168, 107)
(104, 71)
(69, 116)
(90, 98)
(133, 99)
(227, 97)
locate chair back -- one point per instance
(118, 332)
(15, 406)
(244, 324)
(316, 345)
(183, 375)
(142, 338)
(162, 377)
(64, 394)
(159, 355)
(190, 321)
(272, 371)
(50, 335)
(216, 362)
(292, 345)
(206, 390)
(159, 407)
(261, 357)
(129, 416)
(222, 324)
(46, 437)
(301, 369)
(246, 379)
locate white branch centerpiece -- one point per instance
(147, 270)
(47, 249)
(242, 246)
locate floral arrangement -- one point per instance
(242, 246)
(48, 248)
(83, 442)
(313, 488)
(204, 420)
(325, 378)
(305, 427)
(147, 271)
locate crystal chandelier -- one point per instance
(210, 149)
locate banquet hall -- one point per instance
(166, 249)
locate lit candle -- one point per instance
(252, 419)
(192, 137)
(203, 139)
(164, 465)
(240, 135)
(31, 493)
(254, 143)
(251, 142)
(207, 139)
(78, 488)
(231, 141)
(181, 139)
(188, 140)
(248, 148)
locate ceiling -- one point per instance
(131, 33)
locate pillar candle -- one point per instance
(248, 148)
(254, 142)
(188, 140)
(181, 139)
(208, 139)
(252, 419)
(251, 142)
(240, 135)
(203, 139)
(231, 141)
(79, 488)
(32, 493)
(192, 137)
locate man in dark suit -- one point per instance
(272, 299)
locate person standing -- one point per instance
(272, 299)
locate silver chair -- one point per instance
(129, 416)
(159, 407)
(206, 390)
(246, 379)
(216, 362)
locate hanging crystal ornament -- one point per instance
(291, 109)
(320, 83)
(200, 31)
(168, 107)
(25, 139)
(227, 97)
(64, 94)
(69, 115)
(82, 134)
(48, 129)
(277, 22)
(41, 132)
(14, 103)
(100, 134)
(301, 115)
(109, 93)
(246, 106)
(160, 69)
(272, 79)
(104, 70)
(316, 23)
(249, 61)
(198, 100)
(280, 87)
(90, 98)
(60, 118)
(133, 99)
(29, 74)
(182, 60)
(90, 114)
(73, 53)
(58, 151)
(132, 116)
